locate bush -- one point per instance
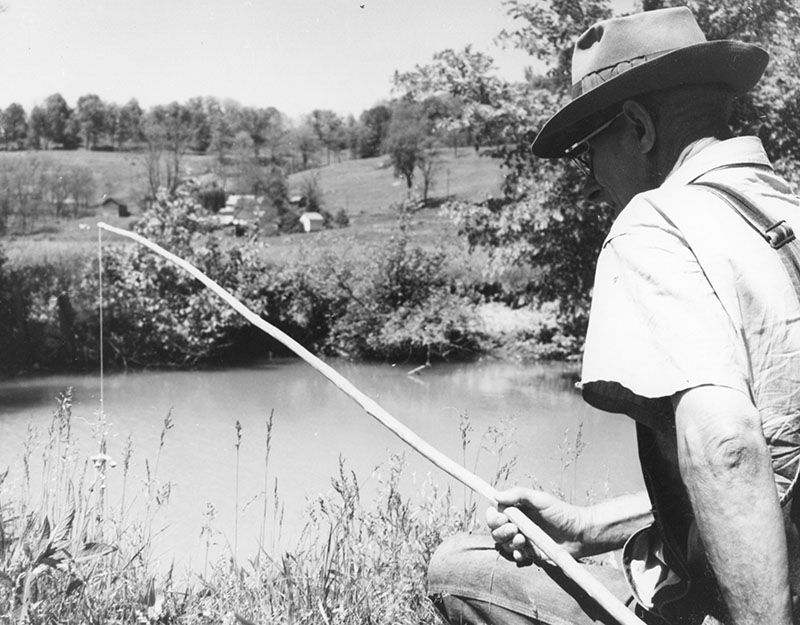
(398, 302)
(341, 219)
(402, 307)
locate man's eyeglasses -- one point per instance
(579, 152)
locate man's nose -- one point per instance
(592, 191)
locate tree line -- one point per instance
(254, 147)
(222, 127)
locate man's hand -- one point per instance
(563, 522)
(581, 531)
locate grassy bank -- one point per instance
(77, 551)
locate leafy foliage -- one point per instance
(542, 220)
(399, 303)
(153, 311)
(403, 307)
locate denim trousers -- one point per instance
(472, 584)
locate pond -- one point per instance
(535, 408)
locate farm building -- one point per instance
(298, 200)
(312, 222)
(244, 202)
(225, 216)
(110, 204)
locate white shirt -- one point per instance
(687, 294)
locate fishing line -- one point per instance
(100, 309)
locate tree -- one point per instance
(466, 77)
(81, 187)
(351, 133)
(37, 125)
(374, 129)
(542, 221)
(248, 173)
(429, 164)
(201, 127)
(129, 124)
(54, 183)
(265, 128)
(304, 141)
(14, 126)
(111, 124)
(406, 140)
(21, 185)
(168, 133)
(329, 129)
(222, 121)
(58, 115)
(91, 113)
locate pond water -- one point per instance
(314, 425)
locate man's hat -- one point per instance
(621, 58)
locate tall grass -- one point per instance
(64, 553)
(68, 554)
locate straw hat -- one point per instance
(621, 58)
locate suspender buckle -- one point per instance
(779, 234)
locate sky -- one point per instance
(295, 55)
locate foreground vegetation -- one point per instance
(76, 550)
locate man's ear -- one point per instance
(642, 123)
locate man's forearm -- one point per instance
(727, 470)
(611, 522)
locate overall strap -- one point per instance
(780, 236)
(777, 233)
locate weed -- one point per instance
(71, 556)
(569, 454)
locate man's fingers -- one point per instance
(506, 533)
(512, 496)
(495, 518)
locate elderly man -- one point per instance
(694, 333)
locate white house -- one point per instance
(312, 222)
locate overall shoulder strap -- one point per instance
(777, 233)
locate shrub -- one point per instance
(154, 312)
(341, 219)
(402, 307)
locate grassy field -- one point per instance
(366, 189)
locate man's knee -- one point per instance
(471, 583)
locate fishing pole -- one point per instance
(571, 568)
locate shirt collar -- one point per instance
(709, 153)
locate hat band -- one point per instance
(595, 79)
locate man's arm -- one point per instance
(581, 531)
(726, 467)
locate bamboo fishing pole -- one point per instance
(572, 569)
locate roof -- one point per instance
(111, 200)
(312, 216)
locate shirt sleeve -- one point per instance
(656, 325)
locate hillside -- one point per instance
(366, 189)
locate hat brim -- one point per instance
(733, 63)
